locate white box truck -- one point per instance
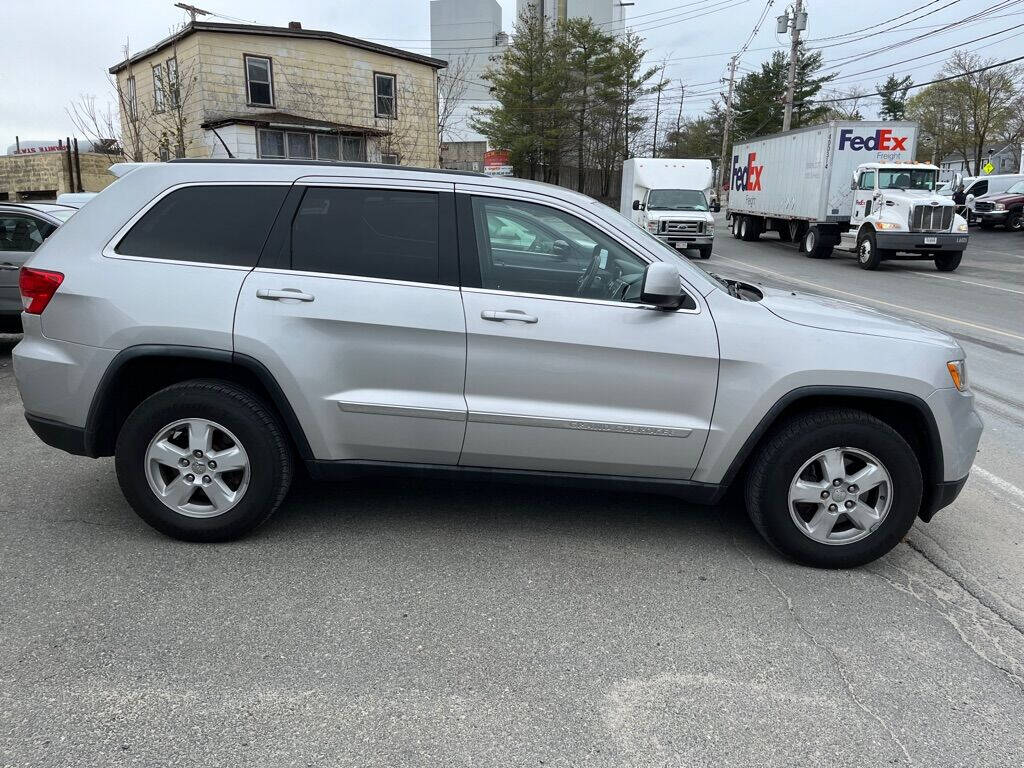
(669, 198)
(849, 185)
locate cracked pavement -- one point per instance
(415, 623)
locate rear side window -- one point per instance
(224, 224)
(379, 233)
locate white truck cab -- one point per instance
(669, 198)
(896, 207)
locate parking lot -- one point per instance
(415, 623)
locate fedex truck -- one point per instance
(847, 185)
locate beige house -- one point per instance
(236, 90)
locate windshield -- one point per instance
(677, 200)
(907, 178)
(1016, 189)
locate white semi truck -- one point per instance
(669, 198)
(848, 185)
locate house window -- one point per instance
(173, 93)
(131, 105)
(259, 81)
(385, 101)
(158, 88)
(299, 145)
(389, 158)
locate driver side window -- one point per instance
(529, 248)
(867, 180)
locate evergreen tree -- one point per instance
(894, 97)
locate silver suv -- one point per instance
(216, 324)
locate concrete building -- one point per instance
(219, 90)
(608, 15)
(468, 35)
(42, 175)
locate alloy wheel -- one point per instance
(840, 496)
(197, 468)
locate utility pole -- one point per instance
(679, 115)
(657, 112)
(796, 25)
(728, 124)
(192, 11)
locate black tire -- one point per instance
(1015, 221)
(704, 251)
(776, 463)
(809, 245)
(785, 232)
(238, 410)
(735, 228)
(986, 224)
(750, 229)
(868, 255)
(948, 262)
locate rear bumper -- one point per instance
(914, 242)
(57, 434)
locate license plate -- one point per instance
(681, 246)
(931, 240)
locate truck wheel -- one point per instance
(834, 488)
(203, 460)
(868, 256)
(1015, 221)
(809, 244)
(984, 224)
(750, 229)
(736, 226)
(705, 251)
(947, 262)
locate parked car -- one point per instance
(1005, 209)
(23, 228)
(979, 186)
(213, 324)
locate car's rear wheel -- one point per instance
(834, 488)
(810, 245)
(948, 262)
(203, 460)
(704, 251)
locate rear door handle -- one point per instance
(509, 314)
(285, 293)
(9, 266)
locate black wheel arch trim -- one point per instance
(771, 417)
(261, 372)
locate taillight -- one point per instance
(37, 288)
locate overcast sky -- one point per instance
(54, 51)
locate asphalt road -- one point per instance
(429, 624)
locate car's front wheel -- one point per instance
(203, 460)
(704, 251)
(834, 488)
(948, 262)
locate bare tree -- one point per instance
(168, 121)
(116, 133)
(849, 109)
(452, 83)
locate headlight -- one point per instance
(958, 373)
(962, 227)
(652, 227)
(710, 230)
(999, 207)
(886, 225)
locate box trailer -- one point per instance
(847, 184)
(669, 198)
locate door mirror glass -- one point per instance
(561, 249)
(716, 206)
(637, 206)
(661, 286)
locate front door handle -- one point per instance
(285, 293)
(509, 314)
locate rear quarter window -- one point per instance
(222, 224)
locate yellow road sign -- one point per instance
(988, 167)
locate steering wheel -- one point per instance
(587, 280)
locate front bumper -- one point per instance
(687, 241)
(919, 242)
(940, 495)
(997, 217)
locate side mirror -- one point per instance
(561, 249)
(637, 206)
(661, 287)
(716, 207)
(958, 181)
(970, 198)
(853, 181)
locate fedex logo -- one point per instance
(881, 141)
(748, 177)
